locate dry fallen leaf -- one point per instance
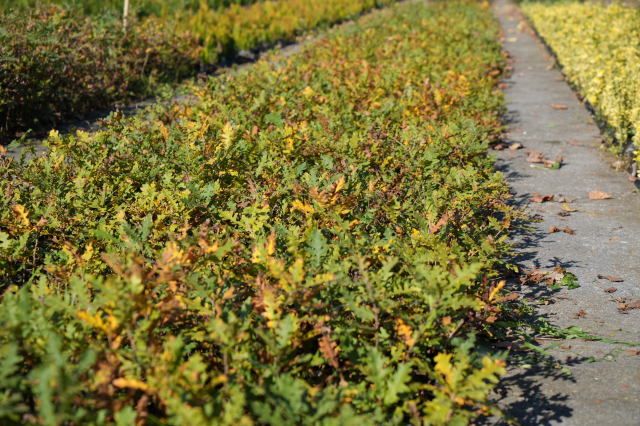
(500, 146)
(566, 348)
(565, 207)
(535, 156)
(564, 199)
(558, 106)
(635, 353)
(575, 143)
(591, 122)
(610, 290)
(598, 195)
(511, 296)
(503, 86)
(542, 198)
(564, 214)
(556, 275)
(612, 279)
(515, 146)
(580, 314)
(566, 229)
(634, 305)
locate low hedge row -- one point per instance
(55, 64)
(597, 45)
(225, 32)
(309, 244)
(137, 8)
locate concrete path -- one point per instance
(607, 391)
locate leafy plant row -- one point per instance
(57, 63)
(136, 7)
(308, 244)
(228, 31)
(597, 45)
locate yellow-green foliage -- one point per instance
(304, 246)
(237, 28)
(599, 48)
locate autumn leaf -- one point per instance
(542, 198)
(598, 195)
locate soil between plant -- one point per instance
(606, 390)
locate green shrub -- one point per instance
(55, 64)
(304, 246)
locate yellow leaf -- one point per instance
(404, 330)
(23, 214)
(123, 383)
(88, 252)
(566, 207)
(227, 134)
(271, 245)
(497, 289)
(305, 208)
(308, 92)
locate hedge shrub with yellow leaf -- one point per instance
(597, 46)
(308, 244)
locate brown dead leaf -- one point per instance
(556, 275)
(591, 122)
(610, 290)
(564, 199)
(566, 208)
(435, 227)
(634, 305)
(580, 314)
(500, 146)
(532, 277)
(491, 319)
(566, 348)
(598, 195)
(569, 230)
(612, 279)
(327, 349)
(542, 198)
(554, 229)
(634, 352)
(509, 297)
(535, 156)
(575, 143)
(515, 146)
(558, 106)
(503, 86)
(564, 214)
(623, 306)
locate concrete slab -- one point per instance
(606, 242)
